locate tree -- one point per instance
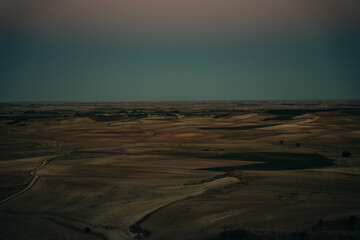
(346, 154)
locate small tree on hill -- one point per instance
(346, 154)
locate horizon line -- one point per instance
(158, 101)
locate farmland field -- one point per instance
(180, 170)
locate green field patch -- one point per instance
(249, 127)
(85, 155)
(274, 161)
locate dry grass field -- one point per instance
(180, 170)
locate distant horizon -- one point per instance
(158, 101)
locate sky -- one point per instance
(168, 50)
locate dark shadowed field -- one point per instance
(180, 170)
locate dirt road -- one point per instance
(35, 175)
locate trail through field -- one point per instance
(35, 175)
(136, 230)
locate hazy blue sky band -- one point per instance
(181, 63)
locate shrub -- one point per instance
(297, 144)
(281, 142)
(346, 154)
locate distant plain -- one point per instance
(180, 170)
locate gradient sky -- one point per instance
(125, 50)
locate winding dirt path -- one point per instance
(137, 231)
(35, 175)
